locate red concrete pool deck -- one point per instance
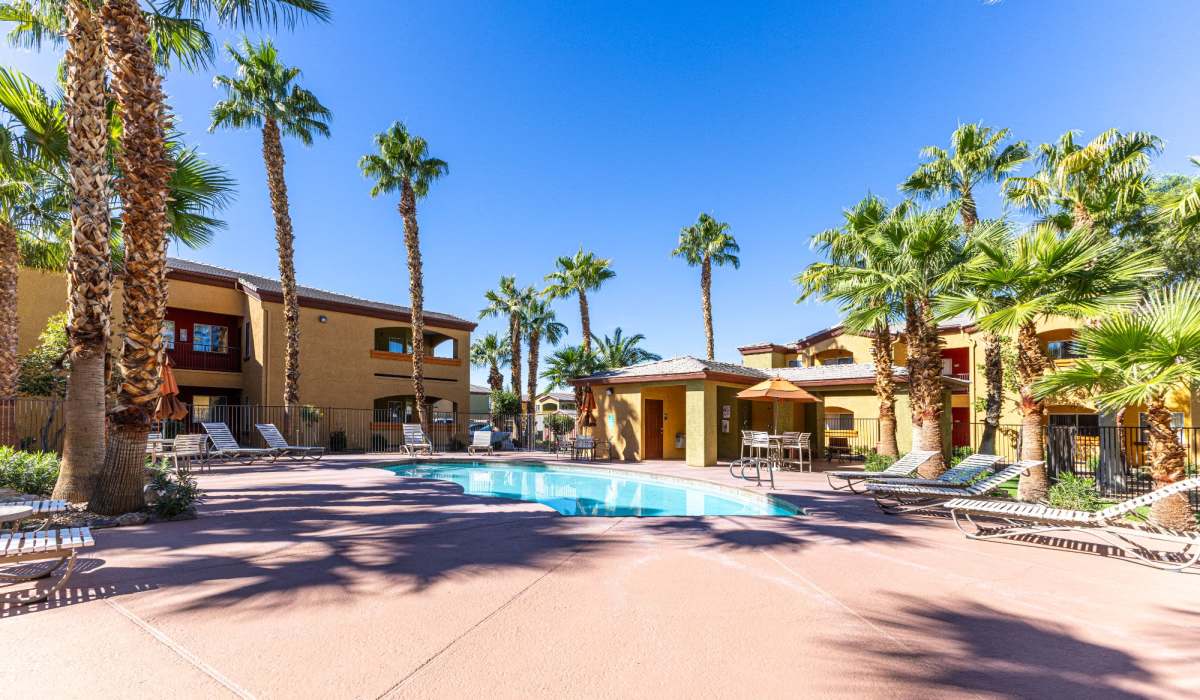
(341, 580)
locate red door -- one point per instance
(960, 433)
(653, 429)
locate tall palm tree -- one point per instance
(578, 275)
(1142, 356)
(706, 243)
(507, 299)
(540, 322)
(848, 247)
(1093, 184)
(620, 350)
(570, 363)
(977, 155)
(491, 351)
(1181, 207)
(404, 165)
(264, 95)
(1013, 282)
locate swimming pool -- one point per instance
(581, 491)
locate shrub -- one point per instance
(505, 403)
(337, 441)
(1075, 493)
(876, 462)
(28, 472)
(959, 454)
(559, 424)
(176, 492)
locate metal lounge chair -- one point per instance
(960, 475)
(276, 441)
(22, 547)
(415, 440)
(226, 448)
(893, 498)
(480, 440)
(1110, 526)
(904, 467)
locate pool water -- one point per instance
(593, 492)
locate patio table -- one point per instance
(15, 514)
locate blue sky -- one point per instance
(611, 125)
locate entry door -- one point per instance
(654, 429)
(960, 434)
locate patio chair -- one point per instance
(415, 440)
(894, 499)
(187, 448)
(584, 444)
(60, 545)
(276, 441)
(226, 448)
(480, 440)
(904, 467)
(801, 443)
(1110, 526)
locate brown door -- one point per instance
(653, 429)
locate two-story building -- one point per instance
(224, 332)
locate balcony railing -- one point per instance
(205, 356)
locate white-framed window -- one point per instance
(842, 360)
(795, 363)
(209, 338)
(1144, 424)
(839, 421)
(247, 342)
(168, 334)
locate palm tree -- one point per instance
(620, 350)
(507, 299)
(491, 351)
(1180, 207)
(849, 247)
(1096, 184)
(264, 95)
(1143, 356)
(1013, 282)
(703, 244)
(404, 165)
(578, 275)
(539, 322)
(977, 156)
(570, 363)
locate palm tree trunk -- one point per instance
(514, 367)
(967, 211)
(535, 341)
(993, 370)
(1168, 464)
(272, 150)
(885, 390)
(706, 304)
(1031, 365)
(9, 277)
(495, 379)
(416, 290)
(89, 268)
(925, 387)
(146, 173)
(585, 321)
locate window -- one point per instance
(1143, 425)
(206, 338)
(549, 407)
(398, 345)
(794, 363)
(168, 333)
(207, 409)
(843, 360)
(247, 342)
(1086, 423)
(839, 421)
(401, 411)
(1062, 350)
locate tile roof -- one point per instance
(260, 283)
(811, 376)
(679, 365)
(832, 372)
(477, 389)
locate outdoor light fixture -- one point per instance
(608, 391)
(323, 318)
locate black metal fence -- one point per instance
(39, 425)
(850, 437)
(1116, 457)
(1005, 440)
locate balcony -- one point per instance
(204, 356)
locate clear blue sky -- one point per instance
(612, 125)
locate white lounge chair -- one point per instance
(225, 447)
(906, 466)
(276, 441)
(480, 440)
(1109, 526)
(958, 476)
(895, 498)
(415, 440)
(22, 547)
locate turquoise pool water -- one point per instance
(594, 493)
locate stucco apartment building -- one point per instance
(224, 332)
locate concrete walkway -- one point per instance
(342, 580)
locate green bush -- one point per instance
(176, 492)
(876, 462)
(959, 454)
(1075, 493)
(28, 472)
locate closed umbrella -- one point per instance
(587, 419)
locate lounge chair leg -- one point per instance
(35, 597)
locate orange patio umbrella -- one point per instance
(169, 406)
(776, 390)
